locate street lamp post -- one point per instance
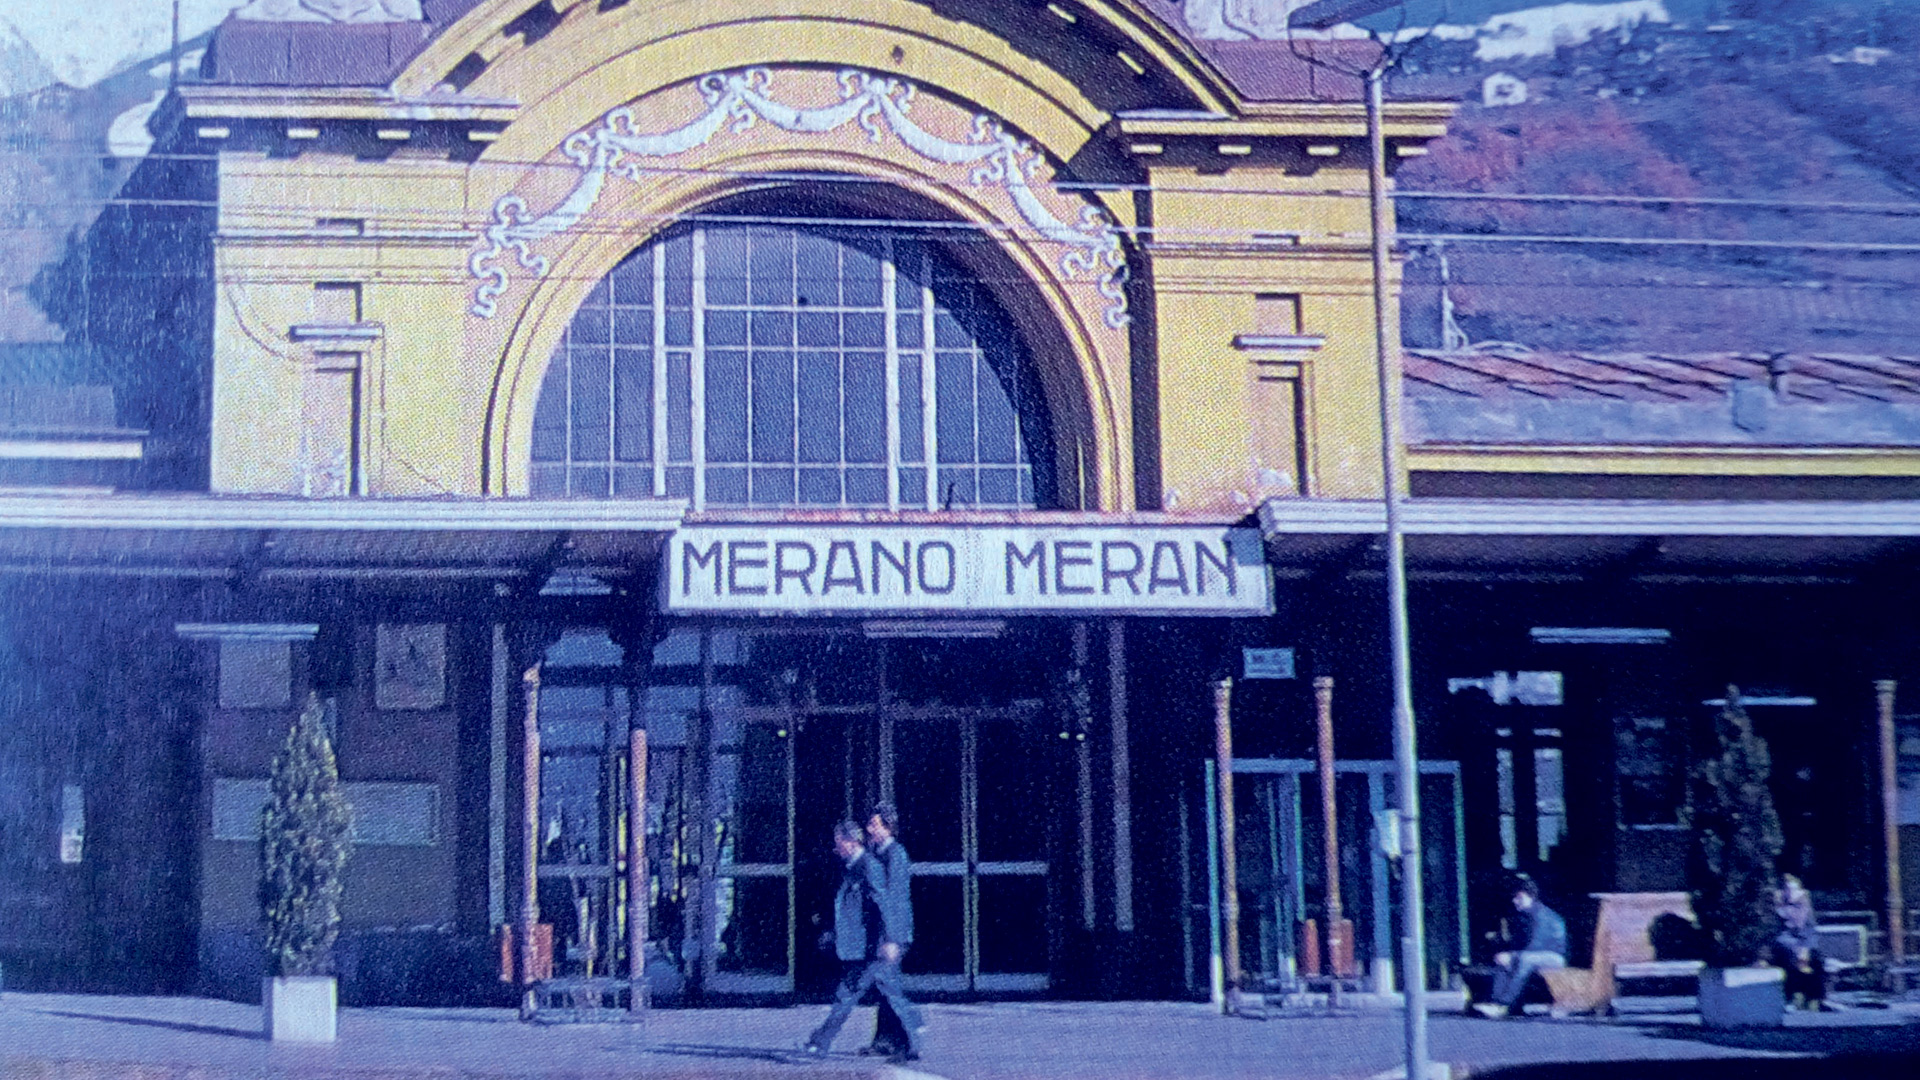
(1413, 948)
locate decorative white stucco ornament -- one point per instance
(331, 11)
(736, 101)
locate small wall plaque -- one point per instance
(1266, 663)
(410, 666)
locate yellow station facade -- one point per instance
(866, 400)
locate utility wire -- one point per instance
(1849, 246)
(1889, 208)
(1898, 209)
(1163, 283)
(456, 225)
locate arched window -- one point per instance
(739, 365)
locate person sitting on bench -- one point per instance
(1536, 941)
(1797, 947)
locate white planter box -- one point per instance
(1744, 997)
(300, 1008)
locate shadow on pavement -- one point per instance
(743, 1053)
(1877, 1052)
(1875, 1067)
(1901, 1041)
(171, 1025)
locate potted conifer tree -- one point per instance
(304, 845)
(1737, 840)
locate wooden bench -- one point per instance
(1844, 945)
(1622, 949)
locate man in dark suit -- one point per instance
(860, 940)
(895, 1031)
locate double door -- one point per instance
(956, 733)
(1280, 872)
(977, 781)
(764, 739)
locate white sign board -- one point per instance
(945, 569)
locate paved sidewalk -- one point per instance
(74, 1037)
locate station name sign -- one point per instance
(948, 569)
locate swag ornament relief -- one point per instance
(989, 157)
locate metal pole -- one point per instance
(1186, 887)
(1890, 816)
(1229, 863)
(529, 839)
(497, 765)
(1122, 768)
(637, 905)
(1216, 967)
(1330, 830)
(1078, 696)
(1413, 944)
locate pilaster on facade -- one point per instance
(1259, 243)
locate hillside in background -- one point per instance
(55, 175)
(1809, 112)
(1784, 101)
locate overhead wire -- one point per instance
(1898, 209)
(1861, 247)
(453, 225)
(465, 228)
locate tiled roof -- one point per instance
(249, 52)
(57, 410)
(1497, 394)
(49, 363)
(1272, 70)
(1293, 71)
(1508, 372)
(265, 53)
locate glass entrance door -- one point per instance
(751, 788)
(1280, 877)
(584, 715)
(973, 775)
(721, 835)
(771, 736)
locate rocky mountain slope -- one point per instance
(1794, 137)
(1789, 103)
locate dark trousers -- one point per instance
(889, 1033)
(857, 977)
(1808, 977)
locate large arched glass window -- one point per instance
(740, 365)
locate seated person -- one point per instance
(1796, 949)
(1536, 941)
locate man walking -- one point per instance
(895, 1032)
(860, 940)
(1537, 942)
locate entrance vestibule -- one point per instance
(771, 734)
(1281, 878)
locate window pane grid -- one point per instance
(782, 367)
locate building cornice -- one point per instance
(1593, 517)
(1416, 121)
(1677, 459)
(202, 102)
(214, 512)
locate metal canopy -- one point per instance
(1645, 538)
(232, 536)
